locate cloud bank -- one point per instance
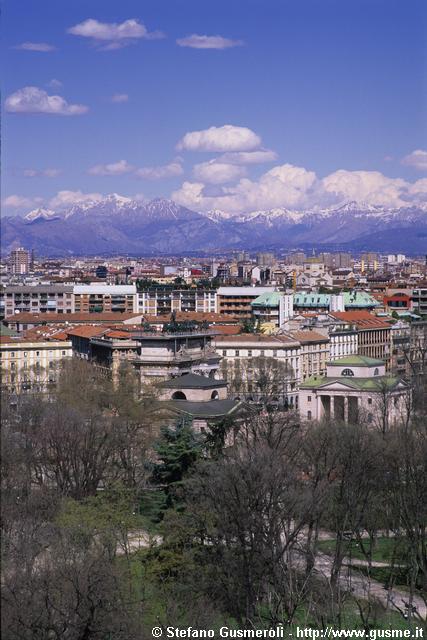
(297, 188)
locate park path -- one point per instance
(351, 579)
(361, 586)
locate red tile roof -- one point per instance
(51, 318)
(86, 331)
(362, 319)
(309, 336)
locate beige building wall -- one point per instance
(27, 365)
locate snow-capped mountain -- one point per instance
(40, 214)
(119, 224)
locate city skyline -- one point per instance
(241, 106)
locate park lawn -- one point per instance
(385, 549)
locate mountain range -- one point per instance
(117, 225)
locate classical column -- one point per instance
(345, 408)
(332, 407)
(319, 408)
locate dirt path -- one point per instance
(361, 586)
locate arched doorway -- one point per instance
(214, 395)
(179, 395)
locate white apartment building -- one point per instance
(31, 364)
(242, 354)
(314, 353)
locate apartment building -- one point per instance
(419, 301)
(273, 308)
(104, 298)
(343, 336)
(243, 356)
(157, 301)
(374, 334)
(42, 298)
(20, 260)
(31, 364)
(314, 353)
(237, 301)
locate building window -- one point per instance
(250, 353)
(308, 415)
(369, 400)
(376, 372)
(347, 372)
(224, 352)
(237, 353)
(308, 398)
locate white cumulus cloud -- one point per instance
(170, 170)
(35, 100)
(196, 41)
(42, 47)
(282, 186)
(416, 159)
(365, 186)
(113, 169)
(118, 98)
(216, 172)
(113, 35)
(222, 139)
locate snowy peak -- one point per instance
(355, 205)
(272, 216)
(216, 215)
(40, 214)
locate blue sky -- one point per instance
(334, 91)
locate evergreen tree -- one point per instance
(178, 451)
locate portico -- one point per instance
(353, 387)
